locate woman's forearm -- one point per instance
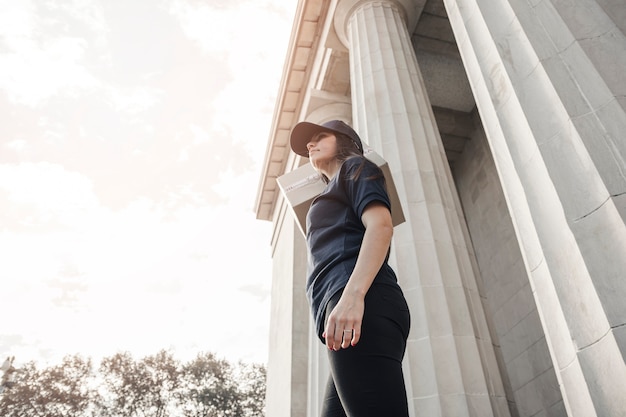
(372, 254)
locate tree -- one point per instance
(252, 378)
(155, 386)
(207, 388)
(144, 388)
(58, 391)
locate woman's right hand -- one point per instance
(343, 328)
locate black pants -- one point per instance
(366, 380)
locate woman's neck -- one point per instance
(330, 169)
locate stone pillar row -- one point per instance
(451, 363)
(548, 131)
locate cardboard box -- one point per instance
(302, 185)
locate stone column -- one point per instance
(543, 106)
(289, 334)
(452, 365)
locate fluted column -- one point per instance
(544, 108)
(289, 337)
(452, 365)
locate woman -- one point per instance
(359, 309)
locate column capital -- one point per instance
(410, 10)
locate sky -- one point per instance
(132, 138)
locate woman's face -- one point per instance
(322, 149)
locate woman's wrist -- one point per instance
(355, 291)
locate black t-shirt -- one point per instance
(335, 232)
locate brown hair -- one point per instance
(347, 149)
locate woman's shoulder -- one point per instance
(358, 161)
(354, 161)
(358, 165)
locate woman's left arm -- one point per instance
(348, 313)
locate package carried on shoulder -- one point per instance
(303, 184)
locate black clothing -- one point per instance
(366, 380)
(335, 232)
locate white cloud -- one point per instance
(35, 73)
(255, 62)
(88, 12)
(228, 28)
(44, 193)
(167, 269)
(39, 65)
(17, 145)
(46, 185)
(200, 137)
(16, 20)
(134, 100)
(143, 267)
(230, 31)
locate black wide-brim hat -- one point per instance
(304, 131)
